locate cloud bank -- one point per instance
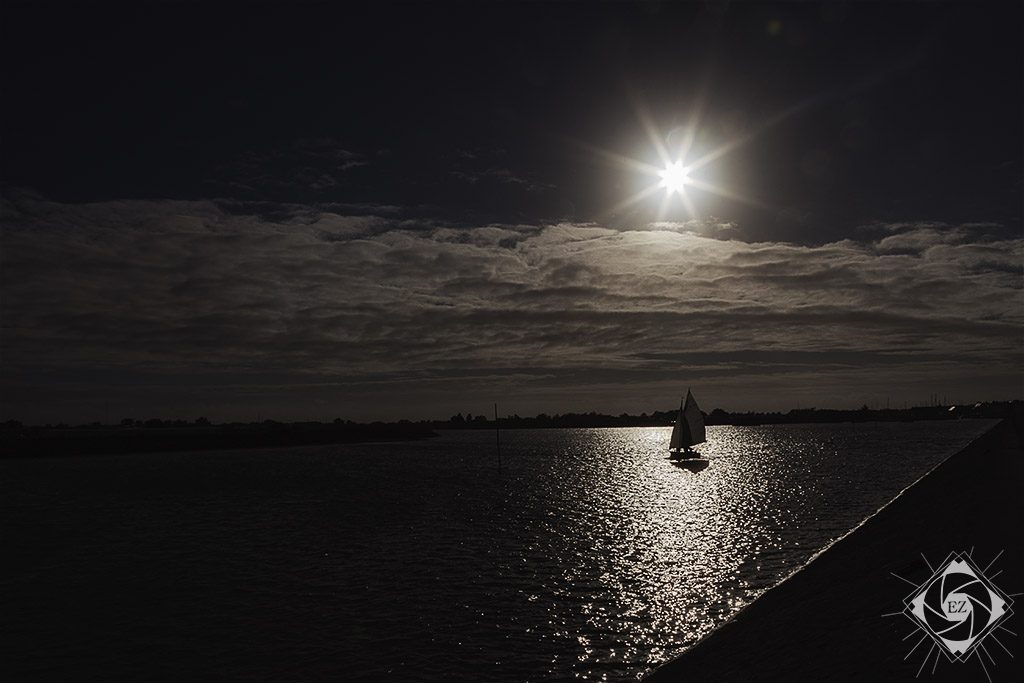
(180, 307)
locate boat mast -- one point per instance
(497, 435)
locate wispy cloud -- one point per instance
(492, 166)
(308, 164)
(500, 175)
(345, 306)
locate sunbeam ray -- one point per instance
(728, 194)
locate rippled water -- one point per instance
(589, 554)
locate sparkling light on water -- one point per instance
(589, 554)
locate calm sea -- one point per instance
(587, 555)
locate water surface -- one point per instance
(587, 555)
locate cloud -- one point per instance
(317, 164)
(489, 167)
(351, 305)
(501, 176)
(707, 227)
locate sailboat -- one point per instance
(688, 430)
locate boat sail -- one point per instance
(689, 427)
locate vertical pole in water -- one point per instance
(497, 435)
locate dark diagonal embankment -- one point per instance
(825, 622)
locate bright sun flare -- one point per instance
(675, 177)
(680, 170)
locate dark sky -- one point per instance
(410, 210)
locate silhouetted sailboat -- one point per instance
(688, 430)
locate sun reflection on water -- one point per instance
(588, 554)
(651, 557)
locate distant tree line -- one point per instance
(994, 409)
(339, 426)
(135, 436)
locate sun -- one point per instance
(675, 177)
(683, 154)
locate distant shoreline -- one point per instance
(989, 410)
(34, 442)
(154, 435)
